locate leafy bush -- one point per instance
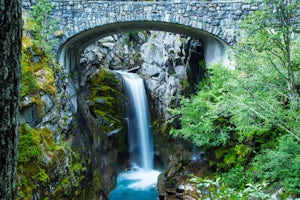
(236, 177)
(217, 189)
(204, 117)
(281, 165)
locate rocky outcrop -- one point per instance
(172, 66)
(101, 117)
(72, 144)
(174, 182)
(48, 167)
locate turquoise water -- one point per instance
(136, 184)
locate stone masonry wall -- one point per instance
(218, 18)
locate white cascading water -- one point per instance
(139, 127)
(140, 181)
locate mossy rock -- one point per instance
(34, 174)
(36, 73)
(107, 102)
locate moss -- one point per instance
(63, 189)
(42, 176)
(182, 40)
(43, 62)
(29, 83)
(138, 59)
(36, 73)
(47, 138)
(59, 33)
(70, 184)
(184, 84)
(31, 171)
(96, 180)
(27, 42)
(40, 157)
(38, 101)
(153, 48)
(107, 102)
(154, 36)
(29, 144)
(29, 22)
(45, 78)
(34, 173)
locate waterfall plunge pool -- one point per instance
(136, 183)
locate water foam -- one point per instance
(139, 178)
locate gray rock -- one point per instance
(181, 72)
(47, 103)
(29, 114)
(151, 70)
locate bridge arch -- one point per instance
(215, 49)
(84, 21)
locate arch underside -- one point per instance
(69, 52)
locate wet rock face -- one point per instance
(115, 52)
(171, 67)
(48, 167)
(102, 125)
(29, 114)
(174, 182)
(170, 64)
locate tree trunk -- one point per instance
(10, 78)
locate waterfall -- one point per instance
(139, 125)
(140, 181)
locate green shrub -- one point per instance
(235, 178)
(217, 189)
(204, 118)
(281, 165)
(42, 176)
(43, 27)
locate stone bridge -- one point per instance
(82, 22)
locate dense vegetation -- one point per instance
(248, 120)
(43, 158)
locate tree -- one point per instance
(10, 76)
(270, 44)
(270, 34)
(43, 26)
(253, 110)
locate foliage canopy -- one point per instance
(250, 117)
